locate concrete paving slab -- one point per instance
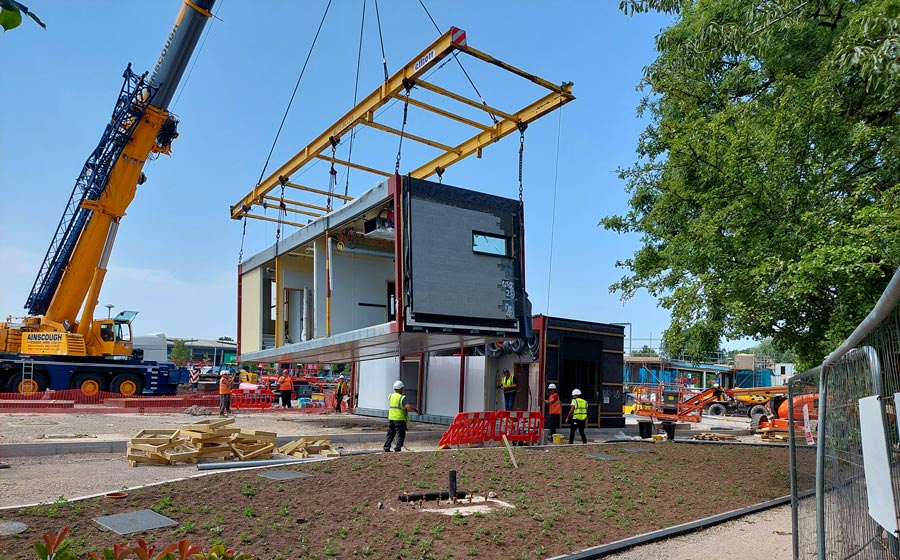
(135, 521)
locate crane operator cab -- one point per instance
(114, 335)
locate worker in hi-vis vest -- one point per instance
(398, 416)
(577, 417)
(285, 388)
(508, 385)
(554, 409)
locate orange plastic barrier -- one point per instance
(480, 427)
(518, 425)
(258, 398)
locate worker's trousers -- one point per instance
(286, 398)
(579, 424)
(225, 404)
(398, 428)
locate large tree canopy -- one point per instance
(765, 190)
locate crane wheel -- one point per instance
(19, 384)
(88, 384)
(126, 384)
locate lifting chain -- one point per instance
(408, 86)
(282, 211)
(440, 173)
(521, 127)
(243, 236)
(332, 179)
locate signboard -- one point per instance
(229, 357)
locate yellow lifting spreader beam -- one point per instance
(397, 87)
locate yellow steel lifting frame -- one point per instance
(396, 88)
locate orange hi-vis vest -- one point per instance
(555, 405)
(225, 382)
(285, 383)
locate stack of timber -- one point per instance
(303, 448)
(714, 437)
(771, 434)
(213, 439)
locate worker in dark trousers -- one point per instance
(226, 382)
(554, 409)
(577, 417)
(286, 387)
(398, 416)
(339, 391)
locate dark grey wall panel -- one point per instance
(448, 277)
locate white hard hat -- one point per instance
(576, 392)
(551, 386)
(340, 377)
(398, 385)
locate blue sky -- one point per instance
(175, 259)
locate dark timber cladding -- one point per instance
(462, 258)
(587, 356)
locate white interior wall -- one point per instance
(319, 287)
(442, 386)
(251, 311)
(476, 384)
(358, 279)
(375, 381)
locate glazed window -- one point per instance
(489, 244)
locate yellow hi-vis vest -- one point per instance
(396, 408)
(580, 408)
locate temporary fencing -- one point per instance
(470, 428)
(848, 508)
(76, 401)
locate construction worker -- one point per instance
(226, 380)
(577, 417)
(554, 409)
(339, 393)
(508, 385)
(398, 416)
(286, 387)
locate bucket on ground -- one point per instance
(557, 439)
(669, 428)
(645, 429)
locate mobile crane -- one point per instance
(59, 344)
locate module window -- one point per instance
(489, 244)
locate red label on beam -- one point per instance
(459, 36)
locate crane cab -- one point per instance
(113, 336)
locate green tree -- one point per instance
(646, 351)
(225, 338)
(180, 352)
(11, 15)
(766, 186)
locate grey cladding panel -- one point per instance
(448, 277)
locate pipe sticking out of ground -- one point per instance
(452, 494)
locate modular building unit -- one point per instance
(410, 266)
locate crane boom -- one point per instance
(73, 270)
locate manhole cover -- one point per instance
(636, 449)
(9, 528)
(135, 521)
(283, 475)
(603, 456)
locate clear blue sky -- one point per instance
(176, 254)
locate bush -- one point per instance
(57, 547)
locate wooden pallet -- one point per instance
(714, 437)
(207, 439)
(303, 448)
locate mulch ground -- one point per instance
(559, 500)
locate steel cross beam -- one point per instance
(454, 39)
